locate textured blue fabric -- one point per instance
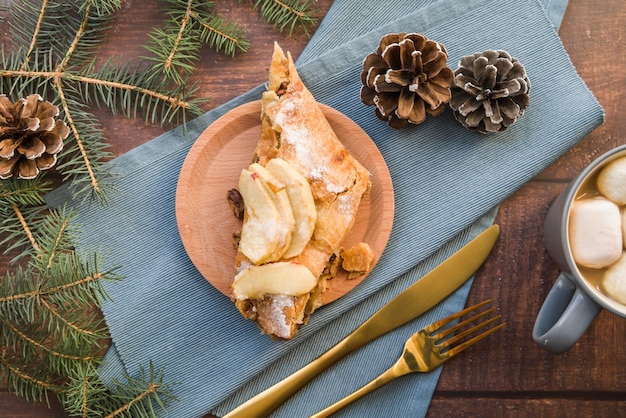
(447, 181)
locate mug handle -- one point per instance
(564, 316)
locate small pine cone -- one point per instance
(30, 136)
(490, 91)
(406, 79)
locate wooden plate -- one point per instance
(205, 219)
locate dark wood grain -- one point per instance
(505, 376)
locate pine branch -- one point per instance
(143, 396)
(82, 162)
(16, 82)
(33, 386)
(24, 221)
(29, 21)
(21, 211)
(174, 57)
(40, 351)
(35, 34)
(86, 392)
(175, 49)
(222, 35)
(66, 28)
(287, 14)
(48, 324)
(102, 7)
(64, 278)
(23, 192)
(112, 86)
(79, 34)
(58, 356)
(48, 335)
(57, 234)
(43, 322)
(130, 90)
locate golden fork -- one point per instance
(427, 349)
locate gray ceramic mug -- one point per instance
(573, 302)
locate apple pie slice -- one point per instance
(301, 196)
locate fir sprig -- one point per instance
(175, 48)
(72, 30)
(223, 35)
(21, 211)
(49, 324)
(287, 14)
(145, 395)
(47, 320)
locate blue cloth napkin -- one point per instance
(447, 181)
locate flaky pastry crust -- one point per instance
(295, 129)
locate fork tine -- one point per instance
(439, 324)
(438, 332)
(450, 330)
(456, 350)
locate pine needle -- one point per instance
(144, 395)
(287, 14)
(175, 48)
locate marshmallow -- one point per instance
(595, 232)
(614, 280)
(612, 181)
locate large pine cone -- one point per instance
(406, 79)
(490, 91)
(30, 136)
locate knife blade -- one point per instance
(412, 302)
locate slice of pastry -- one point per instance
(297, 137)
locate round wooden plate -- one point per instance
(206, 221)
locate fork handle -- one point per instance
(387, 376)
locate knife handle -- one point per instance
(271, 398)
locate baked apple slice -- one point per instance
(286, 278)
(302, 204)
(278, 193)
(263, 230)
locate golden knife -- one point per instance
(415, 300)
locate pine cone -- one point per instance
(406, 78)
(30, 136)
(490, 91)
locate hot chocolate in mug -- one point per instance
(576, 298)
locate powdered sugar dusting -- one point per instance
(295, 133)
(346, 203)
(277, 316)
(333, 188)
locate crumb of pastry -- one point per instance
(357, 260)
(282, 315)
(331, 269)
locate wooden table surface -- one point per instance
(507, 375)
